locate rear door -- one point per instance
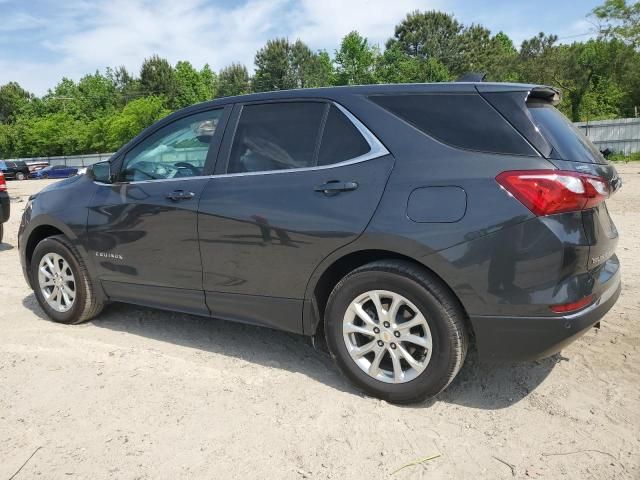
(142, 229)
(295, 181)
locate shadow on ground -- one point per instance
(478, 385)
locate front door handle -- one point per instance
(180, 195)
(334, 187)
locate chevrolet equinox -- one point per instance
(399, 221)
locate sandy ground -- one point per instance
(139, 393)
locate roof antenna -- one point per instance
(472, 77)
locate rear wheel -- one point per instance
(395, 331)
(45, 175)
(61, 282)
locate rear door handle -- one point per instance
(180, 195)
(334, 187)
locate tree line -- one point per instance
(600, 78)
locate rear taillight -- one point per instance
(573, 306)
(3, 183)
(546, 192)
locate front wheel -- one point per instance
(20, 176)
(396, 331)
(61, 282)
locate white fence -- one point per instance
(620, 136)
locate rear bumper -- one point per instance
(513, 338)
(5, 207)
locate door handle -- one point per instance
(334, 187)
(180, 195)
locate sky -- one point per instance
(42, 41)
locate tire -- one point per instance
(1, 231)
(443, 341)
(20, 176)
(85, 305)
(45, 176)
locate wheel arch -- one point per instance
(43, 227)
(323, 282)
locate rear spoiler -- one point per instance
(472, 77)
(545, 93)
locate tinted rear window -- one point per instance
(276, 136)
(568, 142)
(461, 120)
(341, 140)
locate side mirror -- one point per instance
(100, 172)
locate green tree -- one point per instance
(127, 87)
(192, 86)
(135, 117)
(432, 35)
(396, 66)
(13, 99)
(309, 69)
(49, 135)
(95, 96)
(619, 20)
(157, 78)
(274, 69)
(233, 80)
(355, 61)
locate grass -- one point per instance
(619, 157)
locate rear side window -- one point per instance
(341, 140)
(276, 136)
(461, 120)
(568, 142)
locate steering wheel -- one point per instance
(194, 170)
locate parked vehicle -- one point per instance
(55, 171)
(5, 205)
(34, 166)
(399, 221)
(14, 170)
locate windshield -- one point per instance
(568, 142)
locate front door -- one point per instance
(299, 181)
(142, 229)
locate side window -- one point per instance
(460, 120)
(341, 140)
(176, 150)
(276, 136)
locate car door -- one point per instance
(295, 181)
(142, 229)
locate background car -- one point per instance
(56, 171)
(14, 170)
(4, 204)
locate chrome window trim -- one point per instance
(377, 149)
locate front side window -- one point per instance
(276, 136)
(176, 150)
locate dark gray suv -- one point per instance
(399, 221)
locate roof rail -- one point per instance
(472, 77)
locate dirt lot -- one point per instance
(140, 393)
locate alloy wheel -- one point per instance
(387, 336)
(57, 283)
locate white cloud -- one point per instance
(79, 36)
(85, 36)
(324, 23)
